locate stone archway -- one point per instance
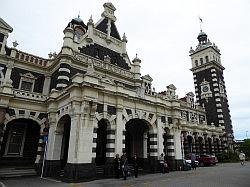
(101, 142)
(200, 144)
(20, 143)
(137, 139)
(63, 133)
(190, 144)
(209, 148)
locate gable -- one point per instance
(5, 26)
(103, 26)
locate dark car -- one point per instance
(207, 160)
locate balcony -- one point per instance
(29, 95)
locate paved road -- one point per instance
(222, 175)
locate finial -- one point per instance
(78, 15)
(124, 38)
(136, 55)
(15, 44)
(90, 19)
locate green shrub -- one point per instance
(228, 157)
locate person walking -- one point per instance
(193, 158)
(161, 160)
(242, 157)
(135, 165)
(125, 167)
(117, 166)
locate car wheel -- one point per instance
(201, 164)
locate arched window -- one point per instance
(201, 61)
(196, 63)
(207, 60)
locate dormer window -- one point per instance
(201, 61)
(207, 60)
(196, 63)
(27, 82)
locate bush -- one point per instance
(228, 157)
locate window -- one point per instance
(196, 63)
(201, 61)
(207, 60)
(15, 141)
(27, 82)
(27, 86)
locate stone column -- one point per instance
(119, 131)
(46, 85)
(80, 166)
(159, 136)
(145, 145)
(178, 148)
(52, 163)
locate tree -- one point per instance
(245, 147)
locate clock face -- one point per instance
(205, 88)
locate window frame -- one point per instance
(28, 77)
(6, 152)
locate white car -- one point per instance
(189, 162)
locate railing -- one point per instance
(29, 95)
(31, 59)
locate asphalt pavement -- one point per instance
(221, 175)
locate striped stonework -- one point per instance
(185, 144)
(153, 144)
(63, 76)
(170, 145)
(193, 145)
(110, 143)
(39, 117)
(197, 146)
(205, 148)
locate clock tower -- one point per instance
(210, 86)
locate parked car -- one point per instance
(207, 160)
(188, 161)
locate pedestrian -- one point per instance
(242, 157)
(124, 167)
(193, 158)
(117, 166)
(166, 168)
(135, 165)
(161, 160)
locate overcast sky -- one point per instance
(161, 32)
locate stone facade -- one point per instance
(96, 104)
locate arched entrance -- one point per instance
(190, 144)
(137, 139)
(20, 143)
(210, 151)
(200, 140)
(64, 125)
(101, 142)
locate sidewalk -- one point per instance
(131, 180)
